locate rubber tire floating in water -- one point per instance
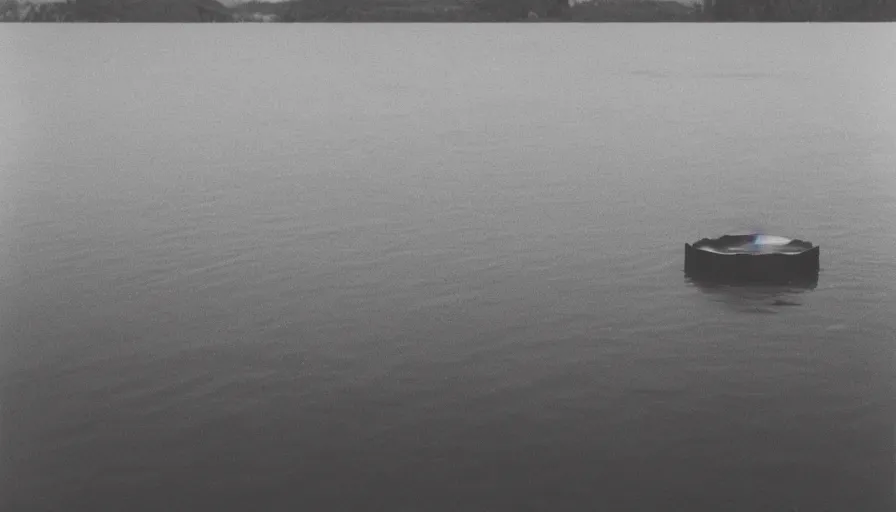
(752, 258)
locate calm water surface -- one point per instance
(439, 267)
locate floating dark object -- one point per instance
(752, 258)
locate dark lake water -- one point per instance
(439, 268)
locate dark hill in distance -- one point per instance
(152, 10)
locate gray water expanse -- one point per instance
(439, 268)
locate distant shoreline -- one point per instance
(444, 11)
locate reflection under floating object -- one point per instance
(752, 258)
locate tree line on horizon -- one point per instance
(344, 10)
(448, 10)
(800, 10)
